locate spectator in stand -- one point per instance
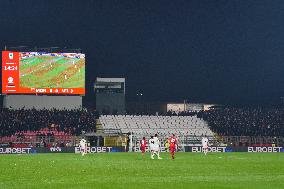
(245, 121)
(70, 121)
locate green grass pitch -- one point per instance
(131, 171)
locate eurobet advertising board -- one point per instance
(108, 149)
(95, 149)
(235, 149)
(43, 73)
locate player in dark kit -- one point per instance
(143, 144)
(173, 145)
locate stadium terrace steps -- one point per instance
(33, 136)
(162, 125)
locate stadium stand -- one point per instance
(145, 125)
(29, 125)
(245, 121)
(233, 125)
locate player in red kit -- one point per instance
(173, 144)
(143, 144)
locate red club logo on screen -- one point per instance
(11, 56)
(10, 80)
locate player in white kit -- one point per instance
(156, 147)
(205, 145)
(83, 146)
(151, 145)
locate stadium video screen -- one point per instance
(43, 73)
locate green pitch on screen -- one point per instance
(52, 72)
(132, 171)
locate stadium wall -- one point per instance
(42, 102)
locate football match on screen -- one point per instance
(51, 70)
(142, 94)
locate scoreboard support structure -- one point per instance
(42, 102)
(110, 95)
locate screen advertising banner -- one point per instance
(43, 73)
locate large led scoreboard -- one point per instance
(43, 73)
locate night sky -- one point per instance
(203, 51)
